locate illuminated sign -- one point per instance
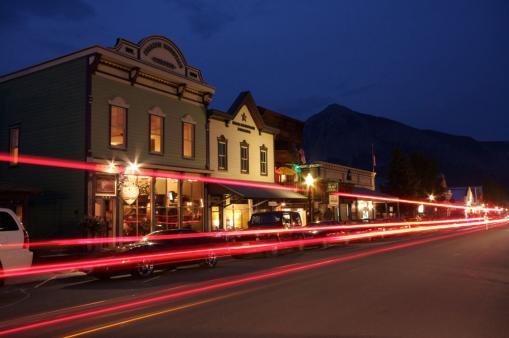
(129, 192)
(332, 186)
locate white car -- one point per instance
(14, 252)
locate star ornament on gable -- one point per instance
(244, 117)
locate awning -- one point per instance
(256, 192)
(285, 171)
(368, 192)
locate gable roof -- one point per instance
(244, 98)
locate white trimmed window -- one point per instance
(222, 153)
(263, 161)
(244, 157)
(156, 134)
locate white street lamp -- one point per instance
(309, 180)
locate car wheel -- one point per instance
(210, 261)
(144, 269)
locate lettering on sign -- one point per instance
(159, 44)
(333, 200)
(243, 125)
(332, 186)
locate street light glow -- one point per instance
(309, 180)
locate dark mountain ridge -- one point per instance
(340, 135)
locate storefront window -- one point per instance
(236, 216)
(137, 216)
(166, 203)
(192, 205)
(216, 218)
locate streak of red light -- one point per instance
(236, 249)
(407, 201)
(80, 165)
(227, 284)
(237, 233)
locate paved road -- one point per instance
(418, 286)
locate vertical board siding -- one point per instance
(50, 107)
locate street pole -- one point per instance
(309, 205)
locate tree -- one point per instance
(401, 178)
(426, 173)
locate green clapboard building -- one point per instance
(132, 107)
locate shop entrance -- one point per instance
(105, 208)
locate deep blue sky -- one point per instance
(440, 64)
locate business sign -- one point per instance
(105, 185)
(129, 192)
(332, 186)
(333, 200)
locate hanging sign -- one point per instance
(129, 192)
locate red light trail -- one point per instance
(227, 284)
(237, 233)
(400, 200)
(80, 165)
(236, 249)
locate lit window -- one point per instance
(156, 134)
(118, 119)
(188, 140)
(244, 157)
(222, 153)
(14, 144)
(263, 160)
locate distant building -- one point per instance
(469, 195)
(331, 178)
(135, 104)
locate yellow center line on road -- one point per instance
(180, 307)
(158, 313)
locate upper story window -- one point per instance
(14, 145)
(187, 140)
(263, 161)
(156, 134)
(244, 157)
(118, 127)
(222, 153)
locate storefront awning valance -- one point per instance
(256, 192)
(368, 192)
(285, 171)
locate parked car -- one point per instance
(14, 241)
(154, 244)
(273, 220)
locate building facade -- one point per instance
(134, 106)
(331, 178)
(241, 147)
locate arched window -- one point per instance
(118, 123)
(156, 130)
(188, 131)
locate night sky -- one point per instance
(432, 64)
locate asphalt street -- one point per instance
(439, 285)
